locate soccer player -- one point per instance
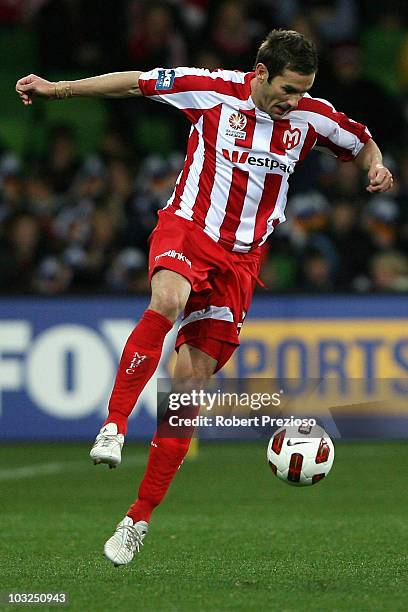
(248, 132)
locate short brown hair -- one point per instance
(287, 49)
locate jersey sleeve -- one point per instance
(192, 90)
(336, 133)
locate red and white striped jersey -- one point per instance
(234, 181)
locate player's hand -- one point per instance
(380, 179)
(33, 85)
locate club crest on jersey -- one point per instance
(165, 80)
(237, 122)
(291, 138)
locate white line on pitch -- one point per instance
(45, 469)
(28, 471)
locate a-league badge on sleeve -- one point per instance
(166, 79)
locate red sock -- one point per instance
(139, 360)
(165, 457)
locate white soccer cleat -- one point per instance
(108, 446)
(126, 541)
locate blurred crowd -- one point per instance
(71, 222)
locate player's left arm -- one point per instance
(348, 140)
(370, 159)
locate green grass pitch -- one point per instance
(229, 536)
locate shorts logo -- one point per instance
(165, 80)
(240, 324)
(237, 122)
(174, 255)
(291, 138)
(135, 363)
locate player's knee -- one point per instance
(194, 366)
(191, 379)
(168, 302)
(202, 366)
(201, 375)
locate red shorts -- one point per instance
(222, 284)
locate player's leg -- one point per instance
(209, 316)
(165, 457)
(193, 367)
(139, 361)
(143, 348)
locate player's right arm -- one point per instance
(113, 85)
(191, 90)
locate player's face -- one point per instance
(282, 94)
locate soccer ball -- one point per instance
(300, 455)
